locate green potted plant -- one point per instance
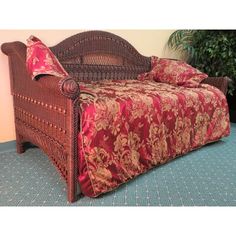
(212, 52)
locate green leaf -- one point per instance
(212, 51)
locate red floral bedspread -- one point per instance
(130, 126)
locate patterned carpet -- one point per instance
(205, 177)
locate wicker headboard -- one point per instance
(95, 55)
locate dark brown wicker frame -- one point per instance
(47, 111)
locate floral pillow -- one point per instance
(174, 72)
(41, 61)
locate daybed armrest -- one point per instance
(219, 82)
(67, 86)
(55, 85)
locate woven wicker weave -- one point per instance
(47, 110)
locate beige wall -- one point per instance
(147, 42)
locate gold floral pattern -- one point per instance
(131, 126)
(174, 72)
(40, 60)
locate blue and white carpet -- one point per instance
(205, 177)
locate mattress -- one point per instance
(129, 126)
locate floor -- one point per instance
(204, 177)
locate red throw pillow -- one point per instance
(174, 72)
(41, 61)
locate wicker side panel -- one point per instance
(219, 82)
(48, 120)
(44, 115)
(44, 126)
(49, 145)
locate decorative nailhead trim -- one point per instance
(48, 106)
(40, 120)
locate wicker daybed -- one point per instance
(48, 111)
